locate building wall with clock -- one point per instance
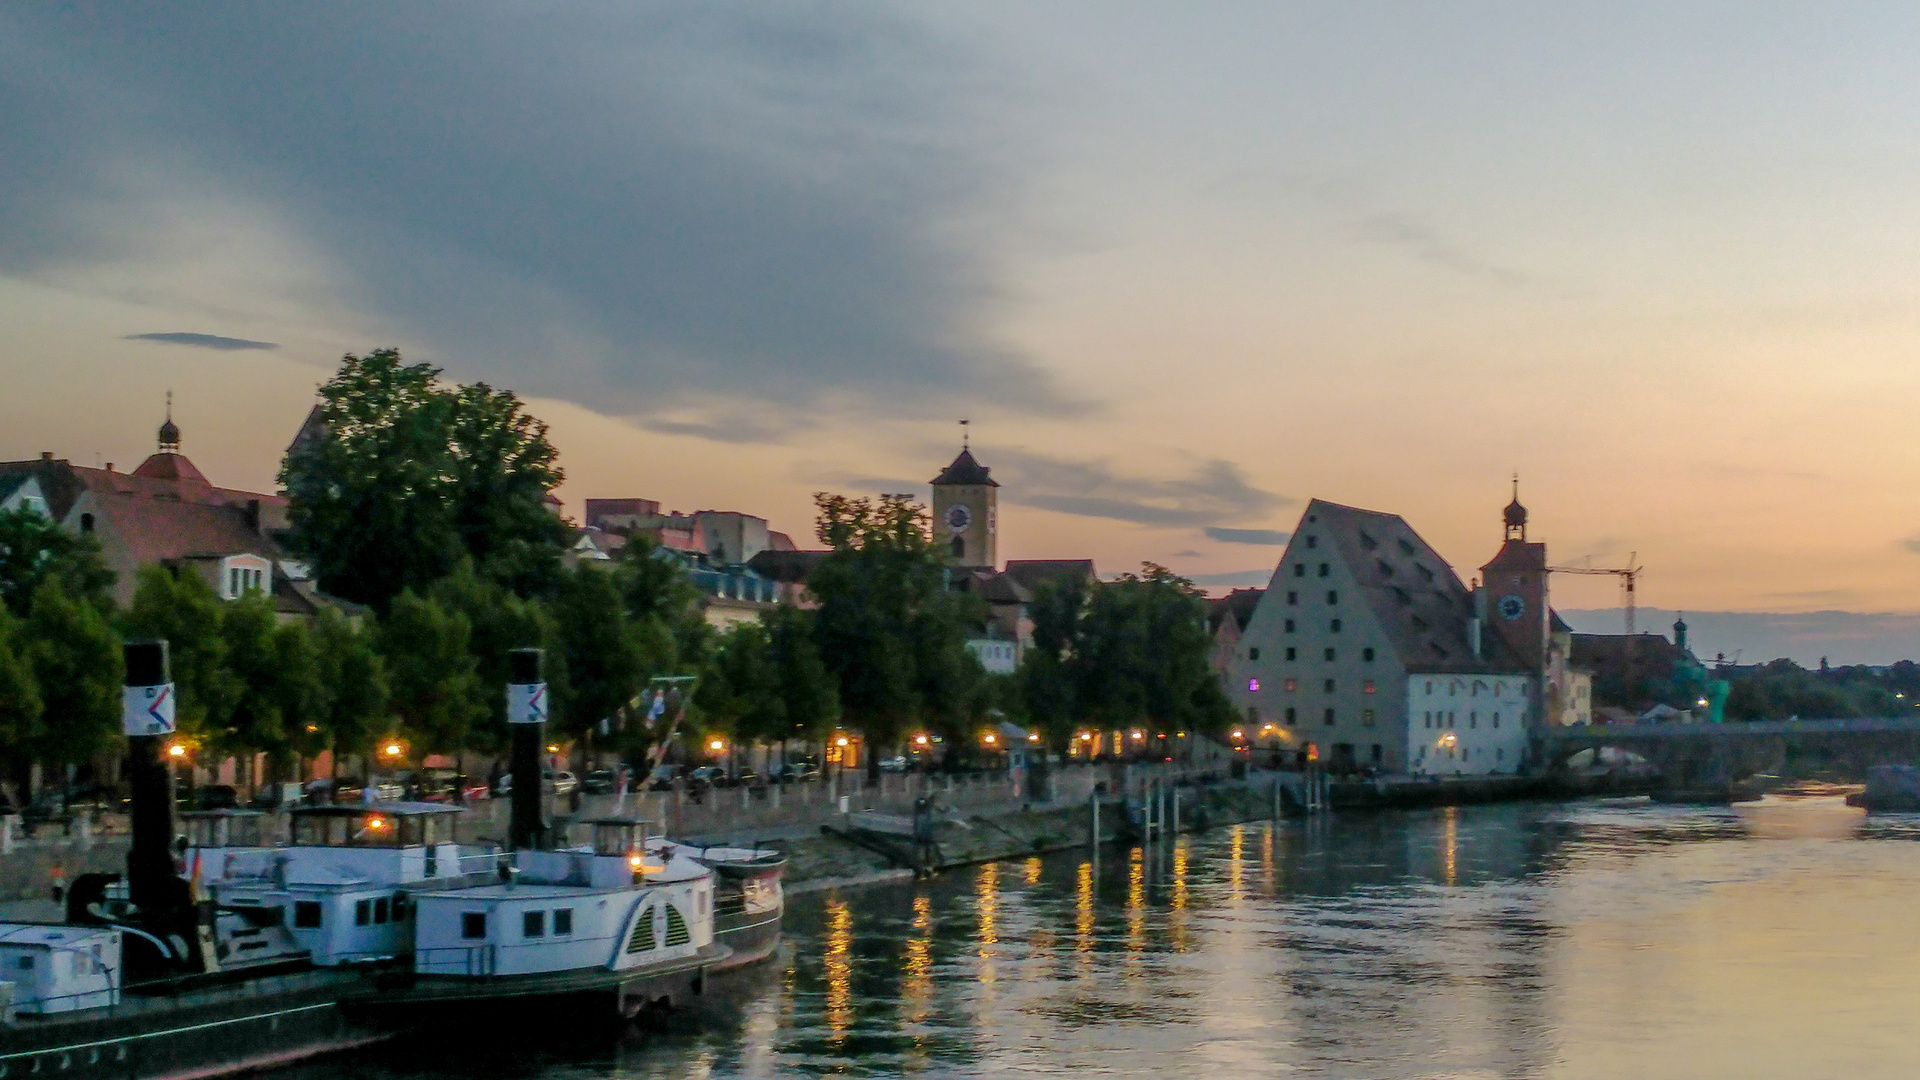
(966, 514)
(1360, 614)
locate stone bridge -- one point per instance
(1699, 754)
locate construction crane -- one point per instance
(1628, 576)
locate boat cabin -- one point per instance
(605, 904)
(337, 887)
(55, 969)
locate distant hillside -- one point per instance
(1843, 637)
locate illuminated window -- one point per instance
(1292, 686)
(1367, 687)
(1366, 717)
(1253, 686)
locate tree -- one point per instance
(275, 684)
(607, 657)
(431, 674)
(809, 701)
(407, 477)
(75, 657)
(34, 549)
(889, 628)
(184, 611)
(352, 709)
(499, 622)
(20, 706)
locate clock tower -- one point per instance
(1516, 584)
(965, 514)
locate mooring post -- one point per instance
(1093, 830)
(1176, 811)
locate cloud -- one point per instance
(1187, 554)
(1911, 543)
(1412, 233)
(1211, 491)
(662, 211)
(1247, 536)
(1237, 579)
(204, 341)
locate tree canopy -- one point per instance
(408, 476)
(34, 549)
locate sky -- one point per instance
(1182, 267)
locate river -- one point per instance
(1600, 939)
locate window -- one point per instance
(562, 921)
(1323, 569)
(1329, 716)
(1313, 541)
(233, 583)
(1293, 598)
(1333, 597)
(1290, 652)
(400, 906)
(1426, 719)
(1496, 720)
(1367, 654)
(1334, 626)
(86, 523)
(533, 924)
(1292, 686)
(1405, 548)
(1290, 714)
(1367, 541)
(1379, 753)
(1453, 688)
(1329, 653)
(380, 911)
(1289, 626)
(1253, 654)
(1385, 568)
(1473, 720)
(362, 912)
(1367, 687)
(25, 963)
(1253, 686)
(1499, 755)
(1429, 688)
(1299, 569)
(306, 914)
(1328, 686)
(473, 924)
(1366, 720)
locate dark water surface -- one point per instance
(1601, 939)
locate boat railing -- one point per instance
(475, 961)
(147, 998)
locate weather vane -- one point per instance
(963, 433)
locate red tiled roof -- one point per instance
(156, 530)
(168, 466)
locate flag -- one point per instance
(658, 708)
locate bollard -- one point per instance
(85, 818)
(9, 826)
(1176, 812)
(1093, 833)
(846, 803)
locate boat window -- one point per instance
(642, 939)
(533, 924)
(562, 921)
(400, 906)
(380, 910)
(306, 914)
(473, 924)
(25, 963)
(362, 912)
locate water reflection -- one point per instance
(1594, 940)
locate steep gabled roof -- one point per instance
(1237, 605)
(155, 530)
(964, 471)
(1419, 602)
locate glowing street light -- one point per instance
(1033, 737)
(990, 738)
(716, 745)
(177, 750)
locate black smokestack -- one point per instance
(526, 718)
(148, 719)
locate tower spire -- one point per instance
(169, 435)
(1516, 515)
(964, 440)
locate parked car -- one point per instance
(897, 763)
(215, 797)
(474, 790)
(276, 796)
(562, 782)
(706, 776)
(662, 777)
(800, 772)
(600, 782)
(746, 778)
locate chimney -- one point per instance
(147, 717)
(527, 719)
(46, 455)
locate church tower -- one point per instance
(1516, 584)
(965, 512)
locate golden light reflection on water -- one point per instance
(1083, 915)
(1450, 844)
(1179, 918)
(1266, 859)
(987, 892)
(1236, 851)
(1034, 866)
(839, 965)
(1136, 907)
(916, 982)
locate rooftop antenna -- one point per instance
(963, 433)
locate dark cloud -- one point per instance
(204, 341)
(1911, 543)
(1187, 554)
(669, 211)
(1211, 491)
(1247, 536)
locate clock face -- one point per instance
(1512, 607)
(958, 518)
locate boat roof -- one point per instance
(13, 933)
(519, 890)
